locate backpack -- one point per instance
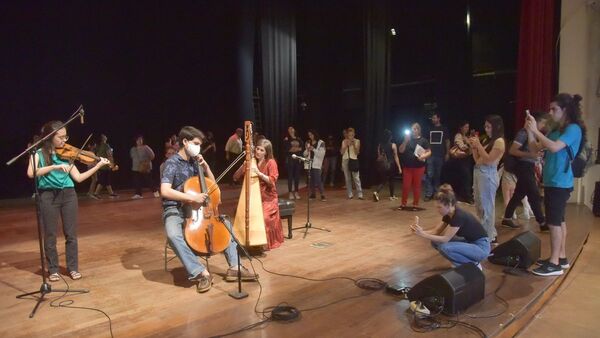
(582, 161)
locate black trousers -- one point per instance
(526, 186)
(63, 204)
(385, 176)
(463, 178)
(143, 179)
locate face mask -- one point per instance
(192, 149)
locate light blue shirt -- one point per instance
(555, 164)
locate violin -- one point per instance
(205, 231)
(71, 154)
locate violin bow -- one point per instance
(77, 155)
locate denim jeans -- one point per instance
(328, 169)
(315, 182)
(485, 184)
(293, 170)
(173, 218)
(460, 252)
(434, 174)
(349, 177)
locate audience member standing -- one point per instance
(463, 163)
(440, 148)
(315, 150)
(293, 146)
(526, 187)
(141, 167)
(349, 150)
(330, 161)
(172, 143)
(208, 149)
(563, 143)
(234, 147)
(105, 173)
(387, 165)
(485, 174)
(416, 151)
(91, 146)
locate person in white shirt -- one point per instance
(315, 150)
(350, 150)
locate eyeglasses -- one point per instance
(64, 137)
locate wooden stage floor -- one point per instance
(121, 257)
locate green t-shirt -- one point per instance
(55, 179)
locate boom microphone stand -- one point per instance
(45, 288)
(308, 222)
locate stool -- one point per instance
(286, 211)
(168, 259)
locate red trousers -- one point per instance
(412, 178)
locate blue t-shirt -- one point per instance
(555, 163)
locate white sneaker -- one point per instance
(292, 197)
(297, 195)
(156, 194)
(527, 213)
(136, 197)
(479, 266)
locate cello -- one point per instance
(204, 230)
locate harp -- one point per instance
(249, 223)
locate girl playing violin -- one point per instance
(58, 197)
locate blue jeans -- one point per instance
(315, 182)
(293, 170)
(485, 184)
(460, 252)
(434, 174)
(173, 218)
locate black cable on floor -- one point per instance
(67, 304)
(283, 312)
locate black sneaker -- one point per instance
(427, 198)
(312, 197)
(563, 262)
(544, 227)
(507, 222)
(548, 269)
(323, 199)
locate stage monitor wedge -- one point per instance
(521, 251)
(456, 289)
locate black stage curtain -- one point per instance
(279, 68)
(376, 77)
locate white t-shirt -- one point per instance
(350, 149)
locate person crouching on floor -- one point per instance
(460, 237)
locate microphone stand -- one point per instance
(239, 294)
(45, 288)
(308, 222)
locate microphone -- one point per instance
(304, 159)
(81, 113)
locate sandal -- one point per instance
(54, 277)
(75, 275)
